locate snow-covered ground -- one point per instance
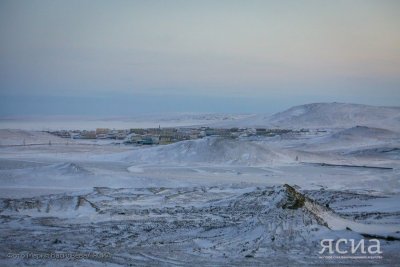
(324, 115)
(212, 201)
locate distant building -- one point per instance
(88, 135)
(165, 139)
(136, 139)
(102, 131)
(261, 131)
(138, 131)
(149, 140)
(102, 136)
(63, 134)
(210, 132)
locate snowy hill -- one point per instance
(337, 115)
(326, 115)
(355, 137)
(208, 150)
(365, 132)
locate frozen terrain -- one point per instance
(180, 226)
(325, 115)
(212, 201)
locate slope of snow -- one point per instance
(336, 222)
(67, 168)
(365, 132)
(325, 115)
(212, 150)
(355, 138)
(338, 115)
(383, 152)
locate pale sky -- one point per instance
(123, 57)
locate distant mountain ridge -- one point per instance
(326, 115)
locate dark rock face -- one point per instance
(295, 200)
